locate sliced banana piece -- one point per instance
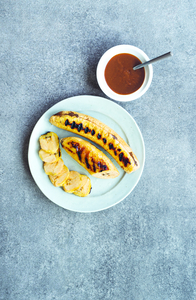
(73, 182)
(60, 178)
(85, 188)
(49, 142)
(49, 157)
(54, 168)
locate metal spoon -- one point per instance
(166, 55)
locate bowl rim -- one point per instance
(118, 49)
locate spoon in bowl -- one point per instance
(166, 55)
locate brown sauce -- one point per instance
(121, 77)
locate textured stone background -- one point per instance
(145, 247)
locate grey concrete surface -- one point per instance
(144, 248)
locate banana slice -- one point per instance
(49, 157)
(73, 182)
(49, 142)
(60, 178)
(53, 168)
(85, 188)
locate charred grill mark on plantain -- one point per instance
(73, 125)
(125, 160)
(69, 150)
(87, 164)
(94, 167)
(111, 146)
(80, 127)
(135, 162)
(100, 165)
(122, 158)
(114, 137)
(70, 113)
(78, 149)
(79, 155)
(66, 122)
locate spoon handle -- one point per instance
(168, 54)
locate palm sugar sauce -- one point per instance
(120, 76)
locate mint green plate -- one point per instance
(105, 192)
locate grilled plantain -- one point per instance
(99, 133)
(89, 157)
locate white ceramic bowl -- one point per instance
(101, 71)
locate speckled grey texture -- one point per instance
(144, 248)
